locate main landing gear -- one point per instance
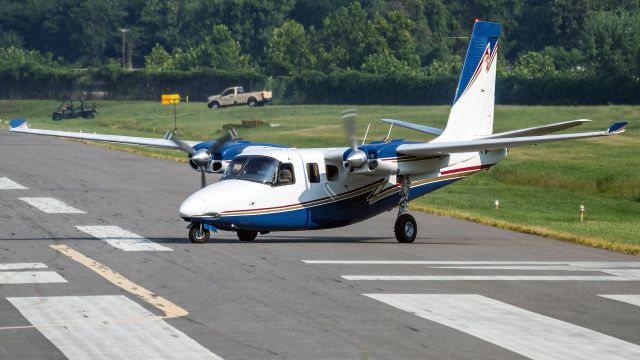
(405, 227)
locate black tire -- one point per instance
(252, 102)
(198, 236)
(406, 228)
(56, 116)
(247, 235)
(213, 105)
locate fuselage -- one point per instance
(280, 189)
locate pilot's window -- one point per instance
(285, 175)
(260, 169)
(313, 172)
(332, 173)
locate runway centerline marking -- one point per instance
(524, 332)
(30, 277)
(97, 327)
(22, 266)
(51, 205)
(8, 184)
(629, 299)
(170, 309)
(122, 239)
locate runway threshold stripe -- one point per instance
(107, 327)
(524, 332)
(629, 299)
(22, 266)
(51, 205)
(30, 277)
(122, 239)
(488, 278)
(8, 184)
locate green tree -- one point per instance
(289, 49)
(533, 64)
(158, 60)
(347, 38)
(610, 41)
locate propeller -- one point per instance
(202, 158)
(357, 158)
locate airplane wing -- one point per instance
(20, 127)
(439, 148)
(417, 127)
(538, 130)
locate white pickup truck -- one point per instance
(236, 96)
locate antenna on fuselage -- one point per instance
(388, 134)
(365, 134)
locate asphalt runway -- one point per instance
(95, 263)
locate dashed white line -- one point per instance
(122, 239)
(107, 327)
(8, 184)
(629, 299)
(524, 332)
(30, 277)
(21, 266)
(51, 205)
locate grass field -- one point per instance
(540, 188)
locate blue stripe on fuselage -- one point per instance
(331, 215)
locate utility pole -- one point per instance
(124, 31)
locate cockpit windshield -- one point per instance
(260, 169)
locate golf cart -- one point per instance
(71, 109)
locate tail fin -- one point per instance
(472, 112)
(18, 123)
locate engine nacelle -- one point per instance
(375, 167)
(215, 167)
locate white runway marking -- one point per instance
(629, 299)
(8, 184)
(21, 266)
(488, 278)
(524, 332)
(122, 239)
(477, 264)
(51, 205)
(107, 327)
(30, 277)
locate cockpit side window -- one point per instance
(286, 175)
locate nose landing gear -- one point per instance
(199, 233)
(405, 228)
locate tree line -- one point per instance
(311, 39)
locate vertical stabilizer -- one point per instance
(472, 112)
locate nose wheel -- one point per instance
(198, 234)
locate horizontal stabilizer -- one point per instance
(130, 140)
(538, 130)
(417, 127)
(440, 148)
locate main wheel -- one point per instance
(213, 105)
(252, 102)
(406, 228)
(198, 236)
(247, 235)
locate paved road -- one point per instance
(461, 291)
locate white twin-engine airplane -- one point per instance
(267, 187)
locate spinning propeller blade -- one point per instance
(357, 158)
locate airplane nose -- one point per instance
(193, 206)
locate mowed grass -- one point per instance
(540, 188)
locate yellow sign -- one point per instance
(168, 99)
